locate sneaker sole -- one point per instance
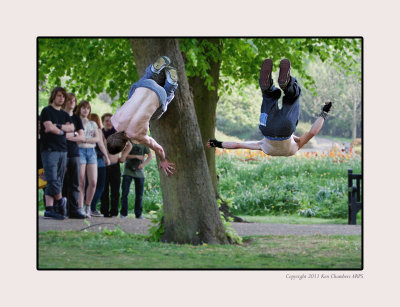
(161, 62)
(173, 74)
(284, 73)
(265, 74)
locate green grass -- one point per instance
(293, 219)
(119, 250)
(314, 187)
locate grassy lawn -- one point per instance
(119, 250)
(294, 219)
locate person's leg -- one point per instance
(52, 162)
(290, 111)
(67, 185)
(82, 183)
(74, 170)
(105, 197)
(126, 184)
(271, 95)
(91, 171)
(139, 187)
(50, 172)
(101, 178)
(115, 183)
(171, 84)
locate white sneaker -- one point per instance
(87, 211)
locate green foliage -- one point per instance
(284, 186)
(156, 231)
(116, 232)
(98, 106)
(232, 235)
(315, 187)
(88, 66)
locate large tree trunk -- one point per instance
(190, 209)
(205, 103)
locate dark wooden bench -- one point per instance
(354, 196)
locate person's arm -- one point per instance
(94, 139)
(49, 127)
(315, 128)
(253, 145)
(102, 147)
(125, 152)
(147, 161)
(79, 138)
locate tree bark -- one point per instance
(190, 209)
(205, 103)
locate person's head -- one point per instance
(83, 109)
(58, 96)
(106, 120)
(94, 117)
(70, 102)
(116, 142)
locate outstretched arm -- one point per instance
(315, 128)
(253, 145)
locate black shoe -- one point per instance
(284, 74)
(61, 206)
(50, 214)
(75, 214)
(265, 79)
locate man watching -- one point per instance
(54, 124)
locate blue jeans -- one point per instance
(101, 182)
(87, 155)
(54, 164)
(280, 123)
(139, 187)
(165, 95)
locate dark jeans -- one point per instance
(275, 122)
(139, 186)
(112, 184)
(54, 163)
(71, 183)
(101, 181)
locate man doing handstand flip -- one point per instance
(278, 125)
(148, 99)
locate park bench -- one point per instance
(354, 196)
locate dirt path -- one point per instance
(132, 225)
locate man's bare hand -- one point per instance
(167, 167)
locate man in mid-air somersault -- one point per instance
(278, 125)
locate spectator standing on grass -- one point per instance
(102, 162)
(88, 158)
(134, 170)
(54, 124)
(113, 174)
(71, 180)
